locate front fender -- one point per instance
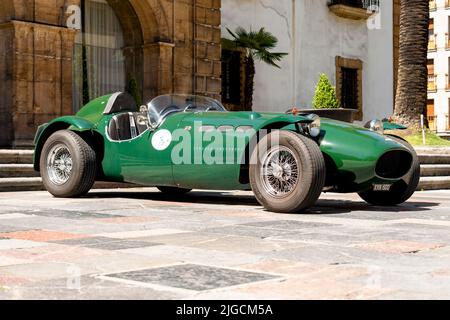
(281, 122)
(45, 131)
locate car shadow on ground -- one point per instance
(322, 207)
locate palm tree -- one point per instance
(411, 95)
(256, 45)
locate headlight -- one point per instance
(377, 126)
(314, 126)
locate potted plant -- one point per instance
(326, 103)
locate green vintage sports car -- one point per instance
(183, 142)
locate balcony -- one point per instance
(354, 9)
(438, 123)
(433, 5)
(432, 83)
(432, 121)
(432, 43)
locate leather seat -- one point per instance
(120, 128)
(125, 126)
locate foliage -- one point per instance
(86, 95)
(256, 44)
(430, 138)
(325, 96)
(133, 90)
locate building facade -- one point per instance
(350, 41)
(57, 54)
(438, 105)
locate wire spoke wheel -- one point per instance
(59, 164)
(279, 172)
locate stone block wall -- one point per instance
(172, 46)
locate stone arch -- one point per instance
(144, 24)
(153, 19)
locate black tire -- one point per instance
(311, 172)
(402, 190)
(83, 169)
(173, 190)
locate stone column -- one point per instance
(207, 51)
(41, 77)
(158, 69)
(6, 75)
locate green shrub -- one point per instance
(133, 90)
(325, 96)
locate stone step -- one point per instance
(435, 170)
(35, 184)
(17, 171)
(434, 158)
(434, 183)
(16, 156)
(21, 184)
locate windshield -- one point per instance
(162, 106)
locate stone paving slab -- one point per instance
(104, 243)
(141, 244)
(193, 277)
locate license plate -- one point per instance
(382, 187)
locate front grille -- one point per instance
(394, 164)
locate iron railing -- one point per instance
(432, 123)
(432, 40)
(362, 4)
(432, 82)
(438, 123)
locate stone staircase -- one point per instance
(17, 173)
(435, 168)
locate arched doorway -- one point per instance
(107, 52)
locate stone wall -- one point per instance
(172, 46)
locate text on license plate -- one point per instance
(382, 187)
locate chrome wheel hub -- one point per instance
(279, 172)
(59, 164)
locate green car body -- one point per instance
(350, 152)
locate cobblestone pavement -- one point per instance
(141, 244)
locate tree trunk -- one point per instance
(249, 83)
(411, 95)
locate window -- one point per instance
(231, 77)
(349, 84)
(431, 36)
(430, 116)
(99, 63)
(431, 76)
(447, 117)
(447, 80)
(349, 90)
(447, 39)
